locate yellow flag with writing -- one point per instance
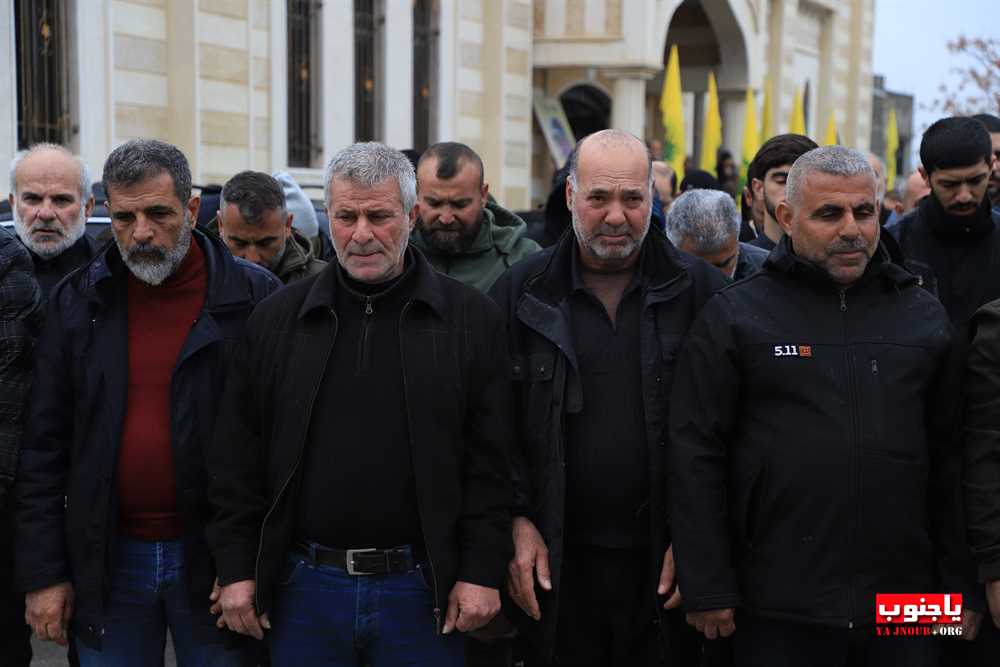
(672, 111)
(711, 136)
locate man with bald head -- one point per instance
(594, 324)
(50, 199)
(829, 321)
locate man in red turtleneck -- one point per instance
(110, 497)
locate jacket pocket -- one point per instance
(754, 510)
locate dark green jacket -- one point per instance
(501, 242)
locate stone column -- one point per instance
(628, 103)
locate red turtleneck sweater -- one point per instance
(159, 320)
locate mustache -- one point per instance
(47, 227)
(851, 245)
(367, 249)
(146, 252)
(610, 230)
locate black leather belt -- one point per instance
(397, 560)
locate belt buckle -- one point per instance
(350, 562)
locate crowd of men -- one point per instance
(673, 436)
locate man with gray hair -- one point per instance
(110, 496)
(812, 462)
(704, 223)
(361, 479)
(594, 324)
(50, 200)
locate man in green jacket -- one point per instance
(254, 222)
(463, 233)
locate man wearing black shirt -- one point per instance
(594, 323)
(362, 481)
(50, 200)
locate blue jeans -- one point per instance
(323, 616)
(149, 595)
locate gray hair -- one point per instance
(369, 164)
(832, 160)
(706, 218)
(84, 183)
(139, 159)
(612, 137)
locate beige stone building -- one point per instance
(283, 84)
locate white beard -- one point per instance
(154, 270)
(50, 249)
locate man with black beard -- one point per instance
(771, 166)
(951, 241)
(255, 224)
(50, 200)
(463, 233)
(110, 496)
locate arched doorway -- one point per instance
(588, 109)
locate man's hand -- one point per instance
(238, 613)
(49, 610)
(470, 607)
(993, 598)
(714, 623)
(667, 581)
(531, 556)
(971, 622)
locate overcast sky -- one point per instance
(911, 50)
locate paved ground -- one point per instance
(48, 654)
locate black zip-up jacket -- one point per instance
(534, 295)
(22, 311)
(814, 458)
(457, 392)
(66, 512)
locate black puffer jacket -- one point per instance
(66, 511)
(814, 458)
(534, 295)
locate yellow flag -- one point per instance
(673, 116)
(831, 131)
(767, 113)
(891, 146)
(797, 123)
(751, 136)
(711, 136)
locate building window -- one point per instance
(369, 20)
(304, 83)
(425, 65)
(43, 86)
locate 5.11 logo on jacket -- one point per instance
(793, 350)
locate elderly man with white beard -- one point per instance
(50, 199)
(110, 497)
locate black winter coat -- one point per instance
(534, 295)
(814, 458)
(66, 511)
(457, 400)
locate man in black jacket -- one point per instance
(21, 314)
(111, 489)
(361, 474)
(50, 200)
(951, 241)
(813, 461)
(594, 324)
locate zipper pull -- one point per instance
(874, 367)
(437, 620)
(368, 306)
(843, 301)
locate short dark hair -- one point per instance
(991, 122)
(779, 150)
(139, 159)
(955, 142)
(254, 193)
(450, 155)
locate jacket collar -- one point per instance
(428, 286)
(660, 264)
(881, 268)
(227, 284)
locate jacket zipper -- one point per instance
(420, 513)
(298, 461)
(362, 361)
(856, 451)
